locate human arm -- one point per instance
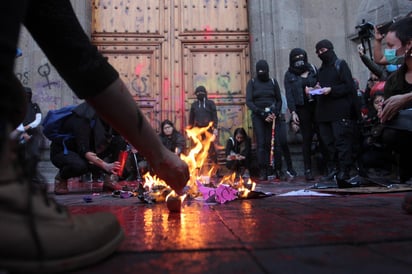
(35, 123)
(214, 117)
(373, 67)
(134, 127)
(345, 83)
(378, 56)
(180, 143)
(289, 81)
(278, 99)
(393, 105)
(249, 98)
(93, 159)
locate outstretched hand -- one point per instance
(173, 170)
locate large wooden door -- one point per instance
(164, 49)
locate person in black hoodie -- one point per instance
(202, 112)
(302, 74)
(263, 98)
(336, 111)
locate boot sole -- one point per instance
(64, 264)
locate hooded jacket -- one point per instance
(203, 111)
(294, 83)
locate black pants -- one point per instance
(308, 128)
(281, 145)
(337, 137)
(263, 135)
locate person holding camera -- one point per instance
(263, 98)
(392, 56)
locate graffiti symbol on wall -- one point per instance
(44, 71)
(139, 85)
(23, 77)
(222, 83)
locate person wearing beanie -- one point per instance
(302, 74)
(336, 112)
(264, 100)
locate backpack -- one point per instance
(53, 122)
(355, 104)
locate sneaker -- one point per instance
(330, 176)
(291, 173)
(309, 175)
(60, 185)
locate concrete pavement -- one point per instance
(343, 233)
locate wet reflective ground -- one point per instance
(366, 233)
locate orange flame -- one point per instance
(199, 168)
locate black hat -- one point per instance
(325, 43)
(200, 89)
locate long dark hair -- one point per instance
(241, 131)
(166, 122)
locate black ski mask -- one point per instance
(201, 93)
(329, 56)
(298, 61)
(262, 70)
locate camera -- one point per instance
(365, 30)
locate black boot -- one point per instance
(343, 179)
(263, 174)
(309, 175)
(330, 176)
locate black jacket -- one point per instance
(176, 140)
(202, 113)
(261, 95)
(340, 102)
(294, 90)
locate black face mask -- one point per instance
(327, 56)
(262, 70)
(201, 96)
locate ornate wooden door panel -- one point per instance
(164, 49)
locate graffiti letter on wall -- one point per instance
(44, 71)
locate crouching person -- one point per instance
(93, 148)
(238, 153)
